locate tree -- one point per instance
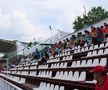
(96, 14)
(78, 23)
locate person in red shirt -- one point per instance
(105, 30)
(100, 75)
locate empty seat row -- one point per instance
(47, 74)
(66, 50)
(64, 54)
(59, 65)
(13, 68)
(33, 67)
(32, 73)
(18, 79)
(72, 76)
(24, 72)
(19, 68)
(67, 58)
(48, 86)
(43, 66)
(89, 63)
(27, 67)
(53, 60)
(20, 72)
(97, 53)
(92, 47)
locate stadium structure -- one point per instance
(68, 70)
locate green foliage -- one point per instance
(32, 44)
(5, 56)
(96, 14)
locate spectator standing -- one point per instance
(100, 75)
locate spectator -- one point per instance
(73, 38)
(87, 37)
(83, 40)
(67, 43)
(37, 54)
(43, 60)
(64, 44)
(42, 53)
(60, 45)
(102, 28)
(46, 55)
(105, 30)
(100, 75)
(94, 35)
(100, 35)
(52, 50)
(78, 39)
(56, 50)
(71, 43)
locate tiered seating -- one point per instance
(66, 71)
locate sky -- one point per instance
(25, 20)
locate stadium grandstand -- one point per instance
(62, 62)
(66, 68)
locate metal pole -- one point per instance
(51, 36)
(51, 33)
(84, 9)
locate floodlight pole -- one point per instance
(51, 33)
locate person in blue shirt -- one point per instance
(37, 54)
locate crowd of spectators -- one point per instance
(94, 36)
(91, 37)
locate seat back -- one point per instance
(82, 76)
(103, 61)
(61, 87)
(89, 63)
(56, 87)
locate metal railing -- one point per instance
(5, 85)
